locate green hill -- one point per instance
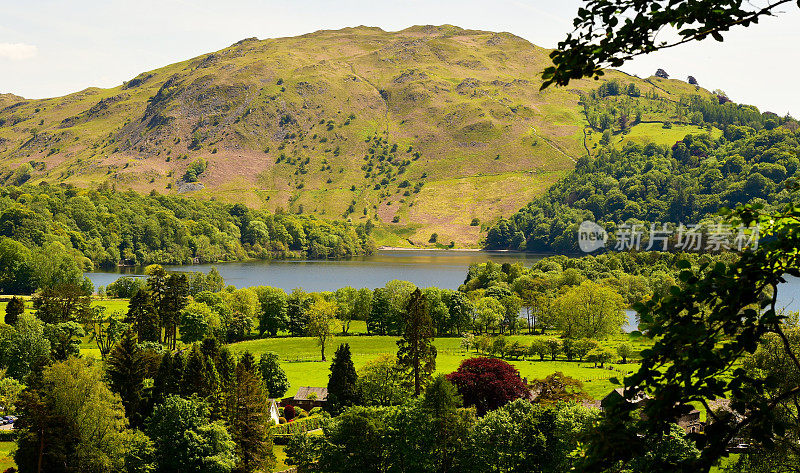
(419, 130)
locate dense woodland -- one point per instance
(107, 228)
(685, 183)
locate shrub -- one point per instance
(289, 412)
(298, 426)
(195, 169)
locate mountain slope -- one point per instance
(420, 130)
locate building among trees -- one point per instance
(307, 398)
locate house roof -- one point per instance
(304, 392)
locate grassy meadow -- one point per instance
(300, 358)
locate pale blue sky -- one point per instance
(53, 47)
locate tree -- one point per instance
(499, 345)
(487, 383)
(346, 299)
(399, 293)
(197, 322)
(274, 377)
(624, 351)
(675, 448)
(513, 438)
(126, 373)
(174, 300)
(244, 305)
(381, 382)
(322, 323)
(691, 80)
(142, 316)
(415, 350)
(71, 422)
(380, 311)
(24, 347)
(538, 347)
(355, 441)
(168, 377)
(441, 402)
(14, 308)
(249, 422)
(600, 355)
(553, 348)
(17, 273)
(297, 304)
(459, 309)
(186, 441)
(662, 74)
(584, 346)
(62, 303)
(272, 316)
(303, 452)
(488, 313)
(64, 338)
(342, 382)
(558, 387)
(10, 390)
(200, 376)
(601, 39)
(105, 330)
(530, 291)
(590, 310)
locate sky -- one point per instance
(54, 47)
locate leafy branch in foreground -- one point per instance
(609, 32)
(704, 332)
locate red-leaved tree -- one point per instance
(487, 383)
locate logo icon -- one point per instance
(591, 236)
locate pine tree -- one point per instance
(274, 377)
(342, 381)
(226, 367)
(176, 297)
(169, 376)
(210, 348)
(415, 349)
(161, 387)
(441, 402)
(14, 308)
(143, 317)
(126, 373)
(198, 377)
(249, 422)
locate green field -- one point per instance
(300, 358)
(6, 460)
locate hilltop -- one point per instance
(420, 130)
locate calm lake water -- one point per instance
(444, 269)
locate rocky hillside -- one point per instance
(421, 130)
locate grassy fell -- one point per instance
(286, 123)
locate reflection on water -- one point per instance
(445, 269)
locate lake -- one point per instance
(441, 268)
